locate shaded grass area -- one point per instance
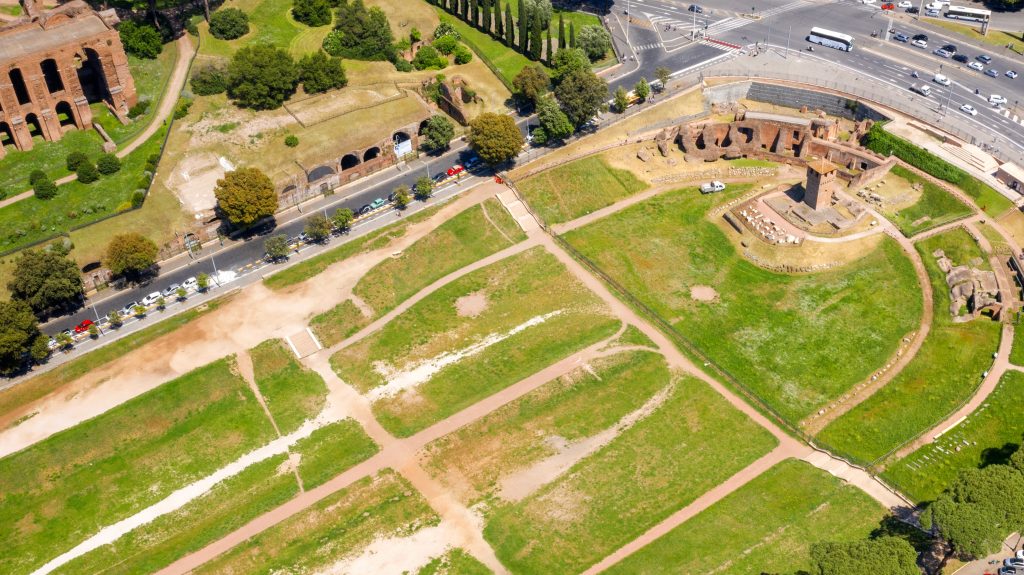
(474, 234)
(766, 526)
(944, 373)
(517, 290)
(988, 436)
(455, 562)
(473, 460)
(936, 204)
(66, 488)
(226, 507)
(340, 524)
(337, 323)
(578, 188)
(332, 449)
(692, 442)
(766, 328)
(293, 393)
(28, 391)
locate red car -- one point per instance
(83, 327)
(455, 170)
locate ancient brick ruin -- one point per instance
(53, 64)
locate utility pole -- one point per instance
(787, 40)
(97, 314)
(888, 28)
(628, 16)
(920, 8)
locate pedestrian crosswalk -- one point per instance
(723, 25)
(643, 47)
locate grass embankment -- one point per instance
(990, 201)
(455, 562)
(293, 393)
(28, 391)
(692, 442)
(505, 62)
(530, 287)
(766, 526)
(935, 207)
(339, 525)
(995, 38)
(332, 449)
(778, 334)
(473, 460)
(66, 488)
(944, 373)
(1016, 352)
(989, 435)
(575, 189)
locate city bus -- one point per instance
(831, 39)
(972, 14)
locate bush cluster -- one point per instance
(312, 12)
(108, 164)
(141, 40)
(229, 24)
(140, 108)
(209, 80)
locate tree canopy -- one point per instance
(229, 24)
(594, 41)
(312, 12)
(438, 133)
(568, 61)
(495, 137)
(581, 94)
(245, 196)
(979, 509)
(319, 72)
(360, 33)
(262, 77)
(46, 281)
(140, 40)
(531, 82)
(18, 334)
(882, 556)
(552, 119)
(130, 254)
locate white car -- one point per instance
(711, 187)
(1011, 74)
(968, 109)
(941, 53)
(976, 66)
(191, 284)
(151, 299)
(905, 4)
(920, 43)
(940, 79)
(996, 100)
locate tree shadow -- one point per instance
(998, 455)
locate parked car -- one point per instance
(920, 43)
(711, 187)
(985, 58)
(378, 203)
(1011, 74)
(151, 299)
(992, 72)
(472, 162)
(912, 10)
(695, 9)
(901, 37)
(962, 58)
(1013, 562)
(905, 4)
(921, 37)
(996, 100)
(52, 343)
(365, 210)
(968, 109)
(931, 13)
(190, 284)
(84, 326)
(171, 290)
(940, 79)
(129, 309)
(976, 66)
(456, 170)
(440, 178)
(942, 53)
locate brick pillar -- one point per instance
(22, 139)
(73, 91)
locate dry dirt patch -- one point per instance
(471, 305)
(703, 293)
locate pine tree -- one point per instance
(535, 37)
(471, 13)
(561, 33)
(510, 27)
(572, 35)
(524, 28)
(551, 53)
(499, 22)
(485, 15)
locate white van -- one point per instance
(940, 79)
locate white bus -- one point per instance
(830, 39)
(972, 14)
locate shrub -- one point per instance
(446, 29)
(445, 44)
(463, 55)
(44, 189)
(415, 35)
(332, 43)
(312, 12)
(229, 23)
(427, 57)
(209, 80)
(140, 108)
(319, 73)
(403, 65)
(140, 40)
(181, 109)
(468, 94)
(291, 140)
(87, 173)
(138, 197)
(36, 176)
(108, 164)
(74, 160)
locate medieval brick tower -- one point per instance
(821, 180)
(53, 65)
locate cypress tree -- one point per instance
(485, 15)
(551, 52)
(572, 35)
(535, 37)
(561, 33)
(499, 22)
(524, 28)
(471, 13)
(510, 27)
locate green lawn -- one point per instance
(270, 22)
(578, 188)
(689, 444)
(64, 489)
(76, 204)
(455, 562)
(337, 323)
(779, 335)
(995, 38)
(1016, 352)
(516, 291)
(337, 526)
(332, 449)
(292, 392)
(989, 435)
(473, 460)
(944, 373)
(505, 61)
(472, 235)
(766, 526)
(938, 205)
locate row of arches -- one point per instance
(89, 75)
(65, 117)
(354, 159)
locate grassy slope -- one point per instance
(337, 323)
(517, 289)
(292, 392)
(945, 372)
(578, 188)
(767, 525)
(455, 562)
(935, 203)
(332, 449)
(506, 61)
(1016, 352)
(989, 435)
(692, 442)
(767, 328)
(64, 489)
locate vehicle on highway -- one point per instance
(695, 9)
(996, 100)
(905, 4)
(171, 290)
(969, 14)
(992, 73)
(836, 40)
(191, 284)
(456, 170)
(922, 89)
(84, 326)
(921, 37)
(711, 187)
(1011, 74)
(920, 43)
(941, 52)
(472, 162)
(912, 10)
(940, 79)
(128, 310)
(901, 37)
(931, 13)
(440, 178)
(951, 48)
(962, 58)
(378, 203)
(976, 66)
(933, 6)
(151, 299)
(984, 58)
(968, 109)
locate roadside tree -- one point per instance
(203, 282)
(495, 137)
(581, 95)
(342, 219)
(182, 294)
(553, 121)
(245, 196)
(662, 74)
(438, 133)
(276, 247)
(620, 100)
(531, 83)
(423, 189)
(48, 282)
(130, 255)
(402, 197)
(317, 228)
(261, 77)
(642, 89)
(18, 335)
(115, 319)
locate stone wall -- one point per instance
(792, 97)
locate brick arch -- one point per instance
(319, 173)
(6, 135)
(20, 87)
(400, 136)
(371, 153)
(68, 111)
(349, 161)
(51, 75)
(32, 120)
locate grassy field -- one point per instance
(339, 525)
(944, 373)
(766, 526)
(473, 460)
(472, 235)
(996, 38)
(577, 188)
(766, 329)
(999, 244)
(989, 435)
(337, 323)
(64, 489)
(28, 391)
(689, 444)
(513, 292)
(1016, 352)
(455, 562)
(936, 204)
(332, 449)
(292, 392)
(506, 61)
